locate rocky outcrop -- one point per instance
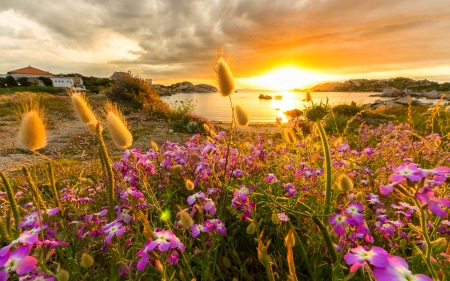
(183, 87)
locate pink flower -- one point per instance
(397, 270)
(426, 196)
(26, 237)
(18, 262)
(403, 171)
(359, 256)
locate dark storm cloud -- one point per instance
(181, 37)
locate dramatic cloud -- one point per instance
(170, 40)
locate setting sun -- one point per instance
(285, 78)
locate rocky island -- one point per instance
(183, 87)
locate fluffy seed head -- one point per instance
(345, 183)
(117, 127)
(360, 197)
(189, 185)
(185, 219)
(242, 117)
(32, 133)
(224, 78)
(177, 168)
(63, 275)
(86, 260)
(289, 136)
(84, 111)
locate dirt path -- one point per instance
(69, 138)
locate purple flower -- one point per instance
(26, 237)
(173, 257)
(282, 217)
(353, 210)
(426, 196)
(18, 262)
(196, 229)
(358, 256)
(409, 171)
(271, 178)
(191, 199)
(340, 221)
(210, 206)
(113, 229)
(165, 239)
(397, 270)
(290, 189)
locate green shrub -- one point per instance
(182, 120)
(133, 91)
(346, 109)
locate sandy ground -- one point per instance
(68, 137)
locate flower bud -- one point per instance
(189, 185)
(226, 262)
(275, 219)
(251, 228)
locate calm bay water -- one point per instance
(217, 108)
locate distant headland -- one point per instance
(379, 85)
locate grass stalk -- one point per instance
(11, 199)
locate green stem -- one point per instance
(429, 246)
(109, 172)
(51, 176)
(326, 152)
(327, 238)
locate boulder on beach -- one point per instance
(432, 95)
(392, 92)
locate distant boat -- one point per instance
(278, 97)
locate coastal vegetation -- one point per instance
(340, 192)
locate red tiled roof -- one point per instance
(30, 70)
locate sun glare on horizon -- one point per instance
(285, 78)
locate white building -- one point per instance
(62, 82)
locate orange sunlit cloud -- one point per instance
(172, 41)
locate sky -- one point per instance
(275, 44)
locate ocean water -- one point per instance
(217, 108)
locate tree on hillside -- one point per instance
(10, 81)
